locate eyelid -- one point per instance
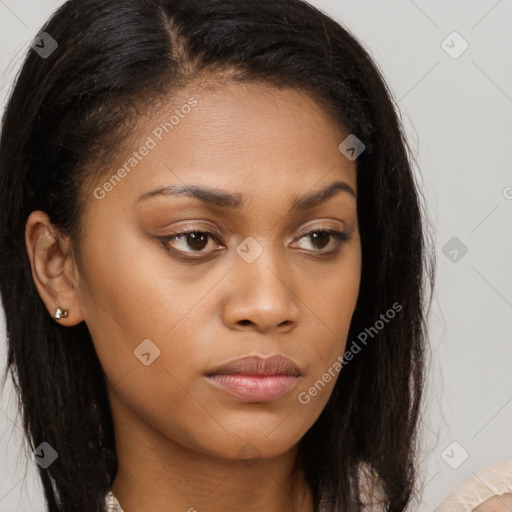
(211, 230)
(318, 227)
(340, 236)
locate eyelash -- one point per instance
(339, 236)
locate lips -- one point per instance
(257, 365)
(255, 378)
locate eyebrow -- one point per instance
(235, 201)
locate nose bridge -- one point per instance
(263, 292)
(261, 262)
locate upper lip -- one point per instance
(256, 365)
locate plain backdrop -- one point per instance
(456, 107)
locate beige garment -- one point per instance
(494, 480)
(371, 491)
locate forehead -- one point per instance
(247, 117)
(252, 139)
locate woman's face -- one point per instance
(164, 310)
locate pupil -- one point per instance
(320, 236)
(197, 238)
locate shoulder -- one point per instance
(489, 483)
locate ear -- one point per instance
(53, 268)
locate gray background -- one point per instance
(458, 116)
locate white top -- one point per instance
(112, 503)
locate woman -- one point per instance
(213, 261)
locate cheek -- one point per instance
(331, 299)
(131, 283)
(131, 293)
(162, 397)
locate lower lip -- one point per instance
(255, 388)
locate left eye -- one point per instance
(322, 237)
(198, 240)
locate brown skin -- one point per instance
(179, 440)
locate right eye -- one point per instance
(195, 239)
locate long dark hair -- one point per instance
(69, 109)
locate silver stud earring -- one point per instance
(60, 313)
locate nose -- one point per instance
(262, 296)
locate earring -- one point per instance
(60, 313)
